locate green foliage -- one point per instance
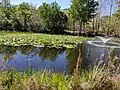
(53, 19)
(26, 17)
(83, 11)
(21, 17)
(17, 39)
(49, 18)
(5, 12)
(111, 25)
(6, 3)
(97, 79)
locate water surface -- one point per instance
(57, 60)
(24, 57)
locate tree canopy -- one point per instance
(53, 19)
(83, 15)
(26, 17)
(83, 10)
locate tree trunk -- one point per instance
(74, 25)
(97, 25)
(84, 28)
(80, 24)
(94, 25)
(110, 14)
(25, 23)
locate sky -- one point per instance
(62, 3)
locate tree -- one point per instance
(106, 8)
(113, 25)
(6, 3)
(25, 18)
(5, 11)
(83, 11)
(25, 12)
(53, 20)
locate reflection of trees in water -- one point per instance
(26, 50)
(72, 57)
(7, 53)
(43, 52)
(10, 51)
(50, 53)
(7, 50)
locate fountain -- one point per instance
(105, 42)
(103, 39)
(100, 49)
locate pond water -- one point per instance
(24, 57)
(57, 60)
(99, 53)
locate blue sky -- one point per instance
(62, 3)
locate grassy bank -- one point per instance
(20, 38)
(98, 79)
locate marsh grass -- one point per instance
(100, 78)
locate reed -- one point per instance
(104, 78)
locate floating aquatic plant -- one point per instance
(20, 38)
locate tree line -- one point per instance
(103, 17)
(83, 17)
(47, 17)
(110, 24)
(26, 17)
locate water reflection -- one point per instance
(98, 56)
(59, 60)
(24, 57)
(50, 53)
(91, 56)
(6, 58)
(72, 56)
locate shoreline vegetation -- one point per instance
(38, 40)
(97, 79)
(104, 78)
(24, 24)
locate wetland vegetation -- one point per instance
(98, 79)
(41, 47)
(36, 39)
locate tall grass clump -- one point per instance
(105, 78)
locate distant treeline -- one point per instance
(82, 18)
(26, 17)
(47, 17)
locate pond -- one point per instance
(24, 57)
(57, 60)
(98, 53)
